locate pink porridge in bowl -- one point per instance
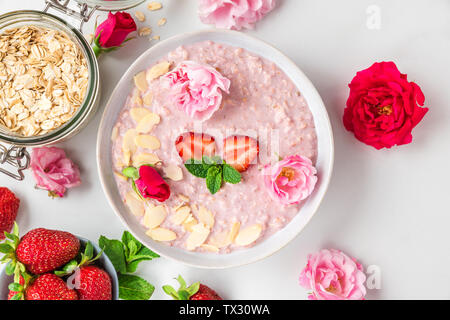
(255, 127)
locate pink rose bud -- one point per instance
(53, 171)
(234, 14)
(151, 185)
(290, 180)
(333, 275)
(196, 89)
(113, 32)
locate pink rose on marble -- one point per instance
(234, 14)
(333, 275)
(53, 171)
(196, 89)
(290, 180)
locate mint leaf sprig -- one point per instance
(214, 170)
(126, 254)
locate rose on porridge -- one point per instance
(262, 116)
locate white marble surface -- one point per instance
(388, 208)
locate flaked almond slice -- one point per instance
(183, 198)
(126, 157)
(148, 122)
(140, 16)
(120, 176)
(148, 99)
(158, 70)
(209, 248)
(248, 235)
(154, 216)
(180, 216)
(220, 239)
(189, 223)
(233, 232)
(136, 205)
(154, 5)
(128, 141)
(140, 81)
(114, 134)
(148, 142)
(161, 234)
(137, 114)
(145, 158)
(137, 100)
(199, 234)
(205, 216)
(173, 172)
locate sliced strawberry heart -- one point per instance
(240, 151)
(191, 145)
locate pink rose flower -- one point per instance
(151, 185)
(290, 180)
(234, 14)
(196, 89)
(332, 275)
(53, 171)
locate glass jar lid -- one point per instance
(112, 5)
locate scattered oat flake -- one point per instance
(162, 22)
(140, 16)
(145, 31)
(152, 6)
(157, 38)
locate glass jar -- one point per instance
(15, 155)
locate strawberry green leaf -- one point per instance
(183, 293)
(6, 248)
(134, 288)
(18, 296)
(193, 289)
(10, 267)
(171, 292)
(15, 287)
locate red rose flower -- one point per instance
(383, 107)
(151, 185)
(113, 31)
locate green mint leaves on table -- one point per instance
(126, 255)
(214, 170)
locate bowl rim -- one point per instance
(313, 93)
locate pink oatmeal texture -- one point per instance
(263, 102)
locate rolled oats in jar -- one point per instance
(43, 79)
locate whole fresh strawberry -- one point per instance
(195, 291)
(95, 284)
(9, 205)
(49, 287)
(42, 250)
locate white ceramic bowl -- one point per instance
(324, 161)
